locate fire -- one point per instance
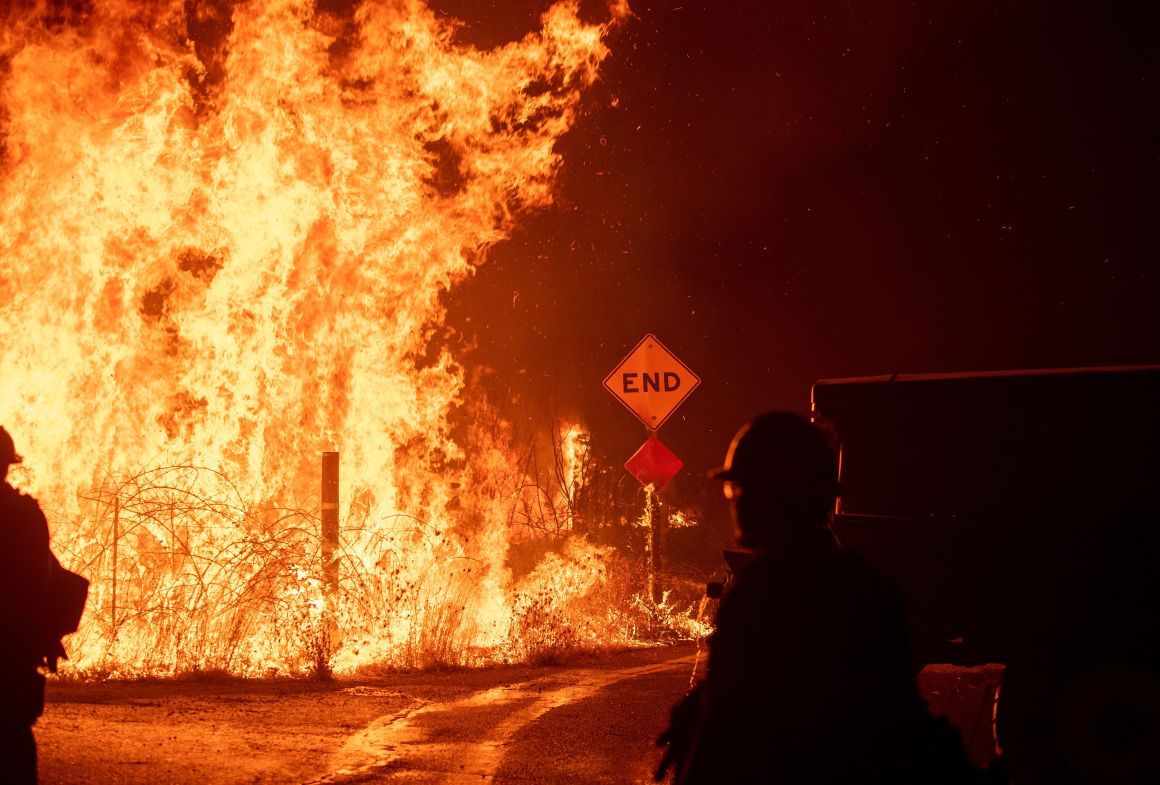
(575, 463)
(221, 257)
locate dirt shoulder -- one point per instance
(288, 732)
(218, 731)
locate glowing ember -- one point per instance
(231, 256)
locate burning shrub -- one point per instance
(564, 603)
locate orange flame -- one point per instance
(237, 263)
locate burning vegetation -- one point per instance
(225, 232)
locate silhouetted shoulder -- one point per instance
(21, 512)
(873, 581)
(25, 558)
(837, 569)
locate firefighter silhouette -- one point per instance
(810, 677)
(40, 602)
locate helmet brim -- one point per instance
(722, 473)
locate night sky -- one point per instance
(789, 191)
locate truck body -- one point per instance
(1015, 509)
(1016, 512)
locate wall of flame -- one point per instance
(218, 261)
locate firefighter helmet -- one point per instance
(7, 449)
(781, 454)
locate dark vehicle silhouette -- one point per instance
(1017, 512)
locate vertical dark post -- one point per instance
(659, 531)
(328, 632)
(116, 538)
(330, 521)
(653, 544)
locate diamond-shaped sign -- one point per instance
(651, 382)
(653, 463)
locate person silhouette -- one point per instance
(809, 678)
(25, 567)
(40, 603)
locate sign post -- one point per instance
(651, 383)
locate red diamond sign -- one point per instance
(653, 463)
(651, 382)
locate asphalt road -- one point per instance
(590, 720)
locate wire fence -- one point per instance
(189, 577)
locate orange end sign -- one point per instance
(651, 382)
